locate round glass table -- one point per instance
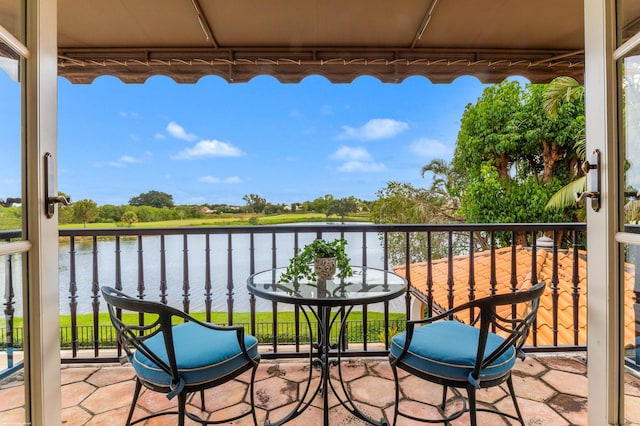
(316, 300)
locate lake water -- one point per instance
(196, 268)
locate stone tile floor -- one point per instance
(551, 390)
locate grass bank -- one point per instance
(238, 219)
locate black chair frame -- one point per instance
(483, 313)
(132, 337)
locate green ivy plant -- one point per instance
(301, 265)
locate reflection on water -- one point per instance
(146, 273)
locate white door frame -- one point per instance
(604, 357)
(42, 362)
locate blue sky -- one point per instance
(214, 142)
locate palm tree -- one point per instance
(562, 90)
(445, 177)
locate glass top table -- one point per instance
(367, 285)
(316, 300)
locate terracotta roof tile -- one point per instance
(564, 290)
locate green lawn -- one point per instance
(216, 318)
(285, 329)
(240, 219)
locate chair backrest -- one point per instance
(153, 318)
(514, 328)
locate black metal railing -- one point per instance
(203, 270)
(12, 335)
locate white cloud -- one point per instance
(120, 162)
(326, 110)
(431, 148)
(178, 132)
(159, 136)
(345, 153)
(374, 129)
(212, 179)
(356, 160)
(209, 148)
(362, 166)
(129, 159)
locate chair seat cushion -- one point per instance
(202, 355)
(448, 349)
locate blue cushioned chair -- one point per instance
(477, 355)
(179, 357)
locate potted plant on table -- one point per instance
(325, 256)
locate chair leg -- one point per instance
(397, 395)
(251, 395)
(515, 401)
(182, 402)
(202, 400)
(136, 393)
(471, 394)
(444, 397)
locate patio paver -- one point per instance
(551, 391)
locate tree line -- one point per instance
(155, 206)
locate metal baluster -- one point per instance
(534, 258)
(534, 281)
(472, 278)
(386, 250)
(118, 281)
(429, 275)
(95, 298)
(186, 285)
(365, 328)
(575, 280)
(493, 281)
(554, 288)
(229, 280)
(141, 286)
(450, 281)
(407, 269)
(386, 324)
(296, 308)
(73, 296)
(9, 309)
(252, 270)
(207, 277)
(364, 249)
(514, 272)
(118, 261)
(274, 326)
(163, 271)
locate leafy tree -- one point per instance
(342, 207)
(84, 211)
(403, 203)
(65, 213)
(255, 203)
(153, 199)
(319, 205)
(129, 217)
(109, 213)
(513, 156)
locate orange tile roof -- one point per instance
(544, 333)
(503, 264)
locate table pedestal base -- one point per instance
(320, 357)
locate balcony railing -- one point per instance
(203, 270)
